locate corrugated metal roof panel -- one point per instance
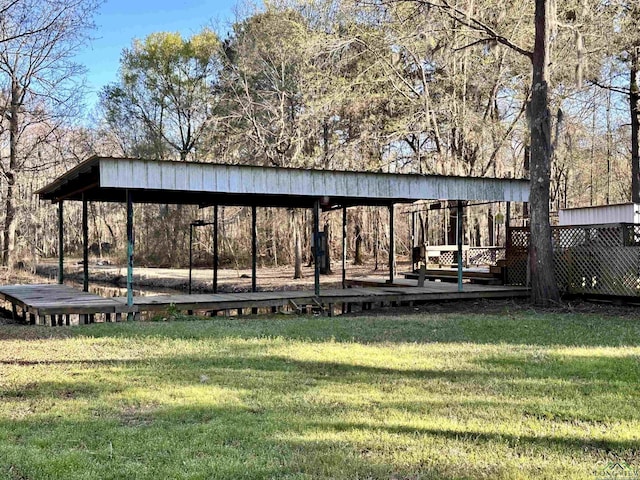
(196, 181)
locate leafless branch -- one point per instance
(470, 21)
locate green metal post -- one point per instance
(85, 246)
(130, 245)
(60, 242)
(190, 256)
(392, 245)
(316, 246)
(254, 249)
(344, 247)
(215, 249)
(460, 235)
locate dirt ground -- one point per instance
(229, 280)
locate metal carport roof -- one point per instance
(109, 179)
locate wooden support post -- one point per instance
(344, 247)
(85, 246)
(130, 245)
(422, 273)
(460, 239)
(60, 242)
(507, 224)
(254, 249)
(215, 249)
(412, 239)
(190, 256)
(316, 246)
(392, 244)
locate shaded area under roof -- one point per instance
(108, 179)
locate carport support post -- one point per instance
(85, 246)
(215, 249)
(460, 238)
(190, 256)
(344, 247)
(130, 242)
(60, 243)
(254, 248)
(392, 245)
(316, 247)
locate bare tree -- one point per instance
(544, 288)
(38, 84)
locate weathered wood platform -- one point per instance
(55, 304)
(471, 274)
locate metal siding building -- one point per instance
(600, 215)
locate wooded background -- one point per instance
(390, 86)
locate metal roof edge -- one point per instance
(300, 169)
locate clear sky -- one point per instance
(118, 22)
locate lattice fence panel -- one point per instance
(473, 256)
(482, 256)
(593, 259)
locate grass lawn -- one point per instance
(511, 395)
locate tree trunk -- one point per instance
(634, 107)
(357, 260)
(327, 252)
(453, 221)
(297, 250)
(490, 225)
(544, 289)
(9, 230)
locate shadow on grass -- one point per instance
(236, 371)
(263, 435)
(521, 328)
(564, 388)
(562, 444)
(189, 442)
(595, 369)
(234, 442)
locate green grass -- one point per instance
(504, 396)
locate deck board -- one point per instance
(52, 299)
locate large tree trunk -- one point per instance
(9, 230)
(544, 290)
(634, 106)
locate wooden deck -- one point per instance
(63, 305)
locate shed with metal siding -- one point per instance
(600, 214)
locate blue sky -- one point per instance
(118, 22)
